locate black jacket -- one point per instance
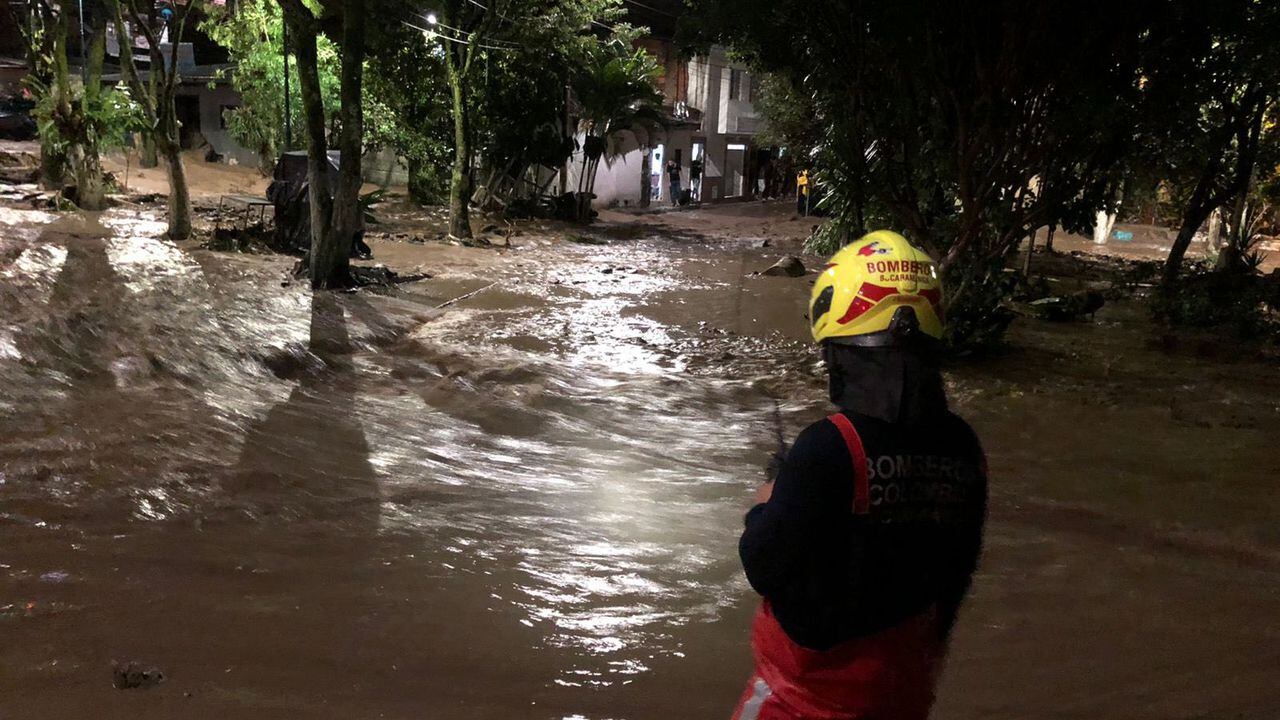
(832, 575)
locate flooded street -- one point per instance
(525, 504)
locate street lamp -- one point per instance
(432, 19)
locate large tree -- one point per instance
(617, 89)
(77, 118)
(157, 96)
(335, 218)
(968, 125)
(528, 51)
(1210, 81)
(469, 29)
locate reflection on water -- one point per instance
(525, 505)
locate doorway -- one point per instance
(187, 108)
(655, 171)
(735, 157)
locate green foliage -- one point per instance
(70, 116)
(253, 34)
(967, 126)
(791, 117)
(617, 88)
(1242, 304)
(405, 75)
(1209, 82)
(617, 91)
(102, 119)
(520, 101)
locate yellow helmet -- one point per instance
(874, 289)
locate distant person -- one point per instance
(673, 175)
(864, 545)
(802, 193)
(695, 180)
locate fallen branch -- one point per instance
(460, 298)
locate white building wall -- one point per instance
(712, 86)
(620, 179)
(211, 102)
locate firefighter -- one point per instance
(864, 544)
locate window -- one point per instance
(735, 84)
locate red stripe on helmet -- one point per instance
(867, 297)
(934, 296)
(876, 293)
(856, 309)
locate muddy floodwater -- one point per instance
(525, 504)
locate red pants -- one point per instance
(886, 676)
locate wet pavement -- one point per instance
(526, 503)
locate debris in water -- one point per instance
(789, 266)
(1063, 308)
(131, 675)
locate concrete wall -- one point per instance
(620, 181)
(211, 102)
(11, 78)
(709, 86)
(377, 167)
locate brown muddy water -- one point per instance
(525, 504)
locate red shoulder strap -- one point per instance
(861, 492)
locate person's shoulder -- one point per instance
(820, 439)
(959, 428)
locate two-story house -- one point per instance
(710, 126)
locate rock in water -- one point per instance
(789, 266)
(130, 675)
(1066, 308)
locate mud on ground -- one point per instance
(225, 496)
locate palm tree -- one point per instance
(617, 89)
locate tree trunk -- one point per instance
(147, 155)
(460, 181)
(568, 131)
(60, 84)
(44, 60)
(1213, 239)
(179, 194)
(1231, 253)
(70, 121)
(330, 267)
(1048, 240)
(1173, 264)
(157, 99)
(169, 144)
(321, 202)
(1031, 249)
(1196, 212)
(91, 191)
(1246, 133)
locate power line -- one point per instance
(459, 31)
(652, 8)
(442, 36)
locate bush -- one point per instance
(1243, 303)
